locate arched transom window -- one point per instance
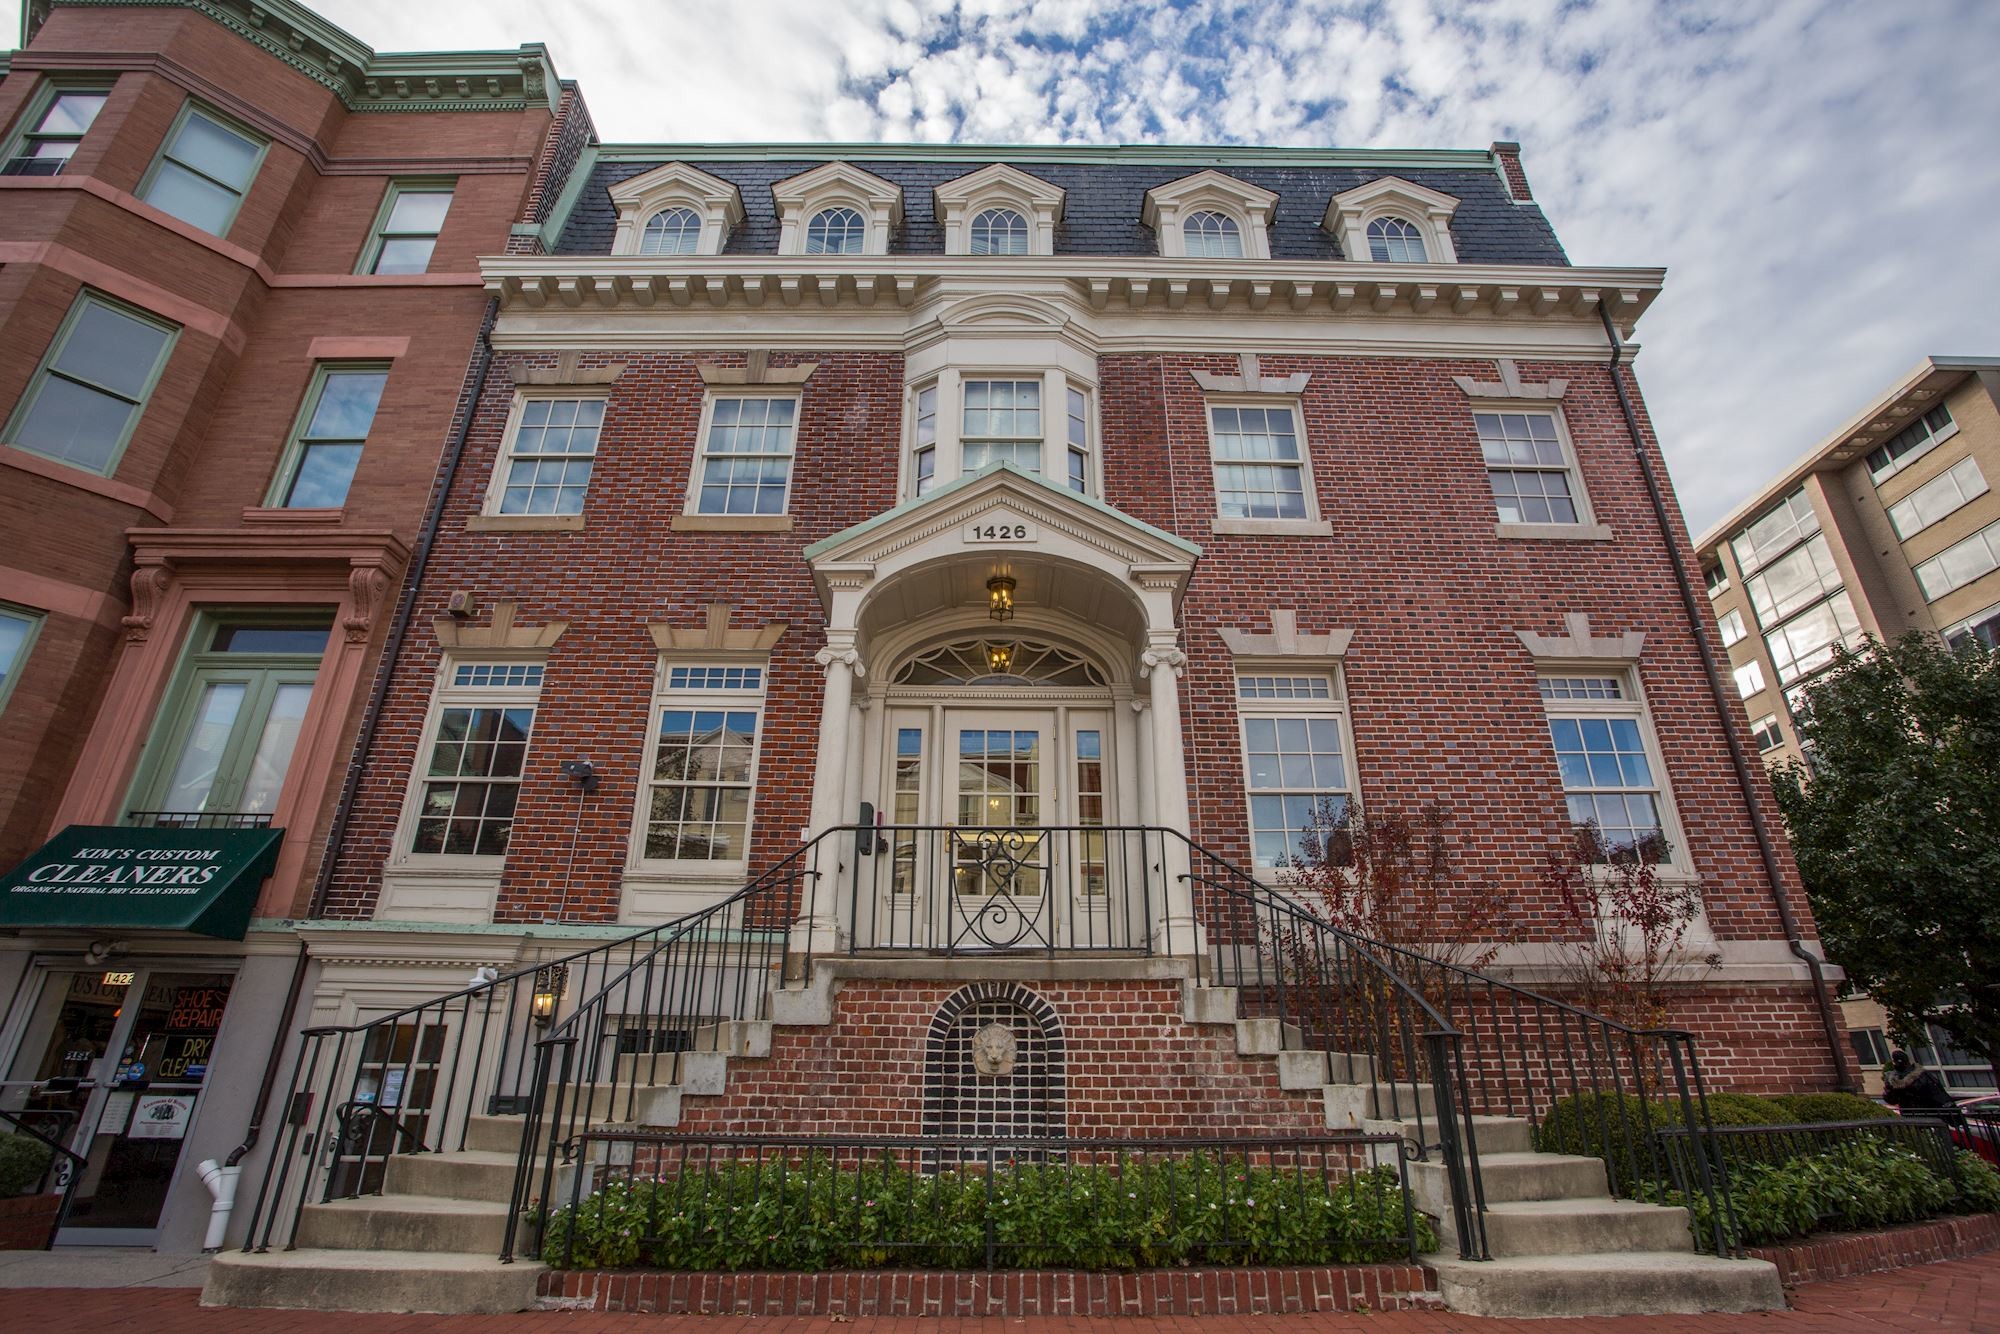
(1395, 241)
(1212, 235)
(998, 662)
(836, 231)
(672, 231)
(999, 231)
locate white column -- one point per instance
(819, 927)
(1174, 926)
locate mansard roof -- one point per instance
(1104, 194)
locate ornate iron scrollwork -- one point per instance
(1000, 878)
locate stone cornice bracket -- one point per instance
(846, 657)
(1252, 380)
(567, 371)
(716, 635)
(150, 581)
(1167, 656)
(1285, 641)
(756, 370)
(1510, 385)
(367, 587)
(502, 633)
(1580, 644)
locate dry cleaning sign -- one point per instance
(202, 880)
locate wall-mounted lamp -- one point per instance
(549, 984)
(1000, 598)
(583, 771)
(999, 657)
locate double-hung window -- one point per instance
(1260, 467)
(203, 171)
(746, 455)
(407, 230)
(545, 467)
(1767, 733)
(85, 399)
(1079, 442)
(1749, 678)
(1609, 776)
(698, 792)
(1731, 625)
(1002, 424)
(44, 148)
(476, 752)
(923, 457)
(326, 443)
(18, 627)
(1958, 485)
(1529, 467)
(1295, 763)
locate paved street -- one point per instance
(1953, 1296)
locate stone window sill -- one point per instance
(732, 523)
(524, 523)
(1271, 528)
(1553, 532)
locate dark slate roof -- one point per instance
(1101, 206)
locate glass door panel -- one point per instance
(203, 745)
(274, 748)
(1001, 797)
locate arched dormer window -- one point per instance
(999, 231)
(672, 231)
(674, 209)
(1211, 235)
(1395, 241)
(836, 231)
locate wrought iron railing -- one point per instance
(947, 1202)
(198, 819)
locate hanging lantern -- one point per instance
(1000, 598)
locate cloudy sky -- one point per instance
(1819, 176)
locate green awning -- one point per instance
(107, 876)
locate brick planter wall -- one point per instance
(1851, 1253)
(25, 1221)
(1001, 1293)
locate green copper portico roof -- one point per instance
(364, 79)
(945, 492)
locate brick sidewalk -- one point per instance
(1958, 1295)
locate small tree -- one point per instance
(1896, 826)
(1624, 947)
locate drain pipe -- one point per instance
(1739, 758)
(222, 1184)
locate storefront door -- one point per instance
(114, 1063)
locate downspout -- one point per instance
(363, 740)
(1739, 758)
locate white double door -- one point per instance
(992, 813)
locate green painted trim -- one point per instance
(190, 109)
(826, 544)
(34, 618)
(55, 347)
(579, 175)
(1159, 154)
(288, 461)
(371, 250)
(38, 106)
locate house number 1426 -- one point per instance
(997, 532)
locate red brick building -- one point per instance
(239, 292)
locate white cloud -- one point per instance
(1817, 174)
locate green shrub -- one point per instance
(807, 1214)
(1816, 1108)
(1860, 1184)
(1978, 1185)
(1617, 1127)
(23, 1160)
(1744, 1109)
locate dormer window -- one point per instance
(1395, 241)
(672, 231)
(999, 231)
(675, 209)
(1393, 221)
(1212, 235)
(1211, 216)
(836, 231)
(836, 209)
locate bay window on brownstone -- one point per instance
(473, 756)
(204, 170)
(55, 124)
(84, 401)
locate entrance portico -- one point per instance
(1056, 714)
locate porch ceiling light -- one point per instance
(999, 657)
(1000, 598)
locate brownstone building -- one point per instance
(238, 296)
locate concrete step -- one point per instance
(704, 1072)
(474, 1174)
(1632, 1283)
(330, 1280)
(1208, 1005)
(1348, 1105)
(1266, 1037)
(494, 1134)
(1496, 1134)
(1576, 1227)
(1509, 1177)
(1309, 1071)
(405, 1223)
(643, 1104)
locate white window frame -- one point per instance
(1769, 725)
(948, 443)
(1931, 574)
(1412, 234)
(447, 695)
(1934, 435)
(1350, 213)
(1632, 705)
(728, 874)
(804, 197)
(1752, 670)
(957, 203)
(1954, 488)
(1730, 623)
(1805, 521)
(1333, 707)
(1967, 625)
(496, 486)
(1586, 524)
(699, 468)
(1311, 523)
(1249, 206)
(672, 185)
